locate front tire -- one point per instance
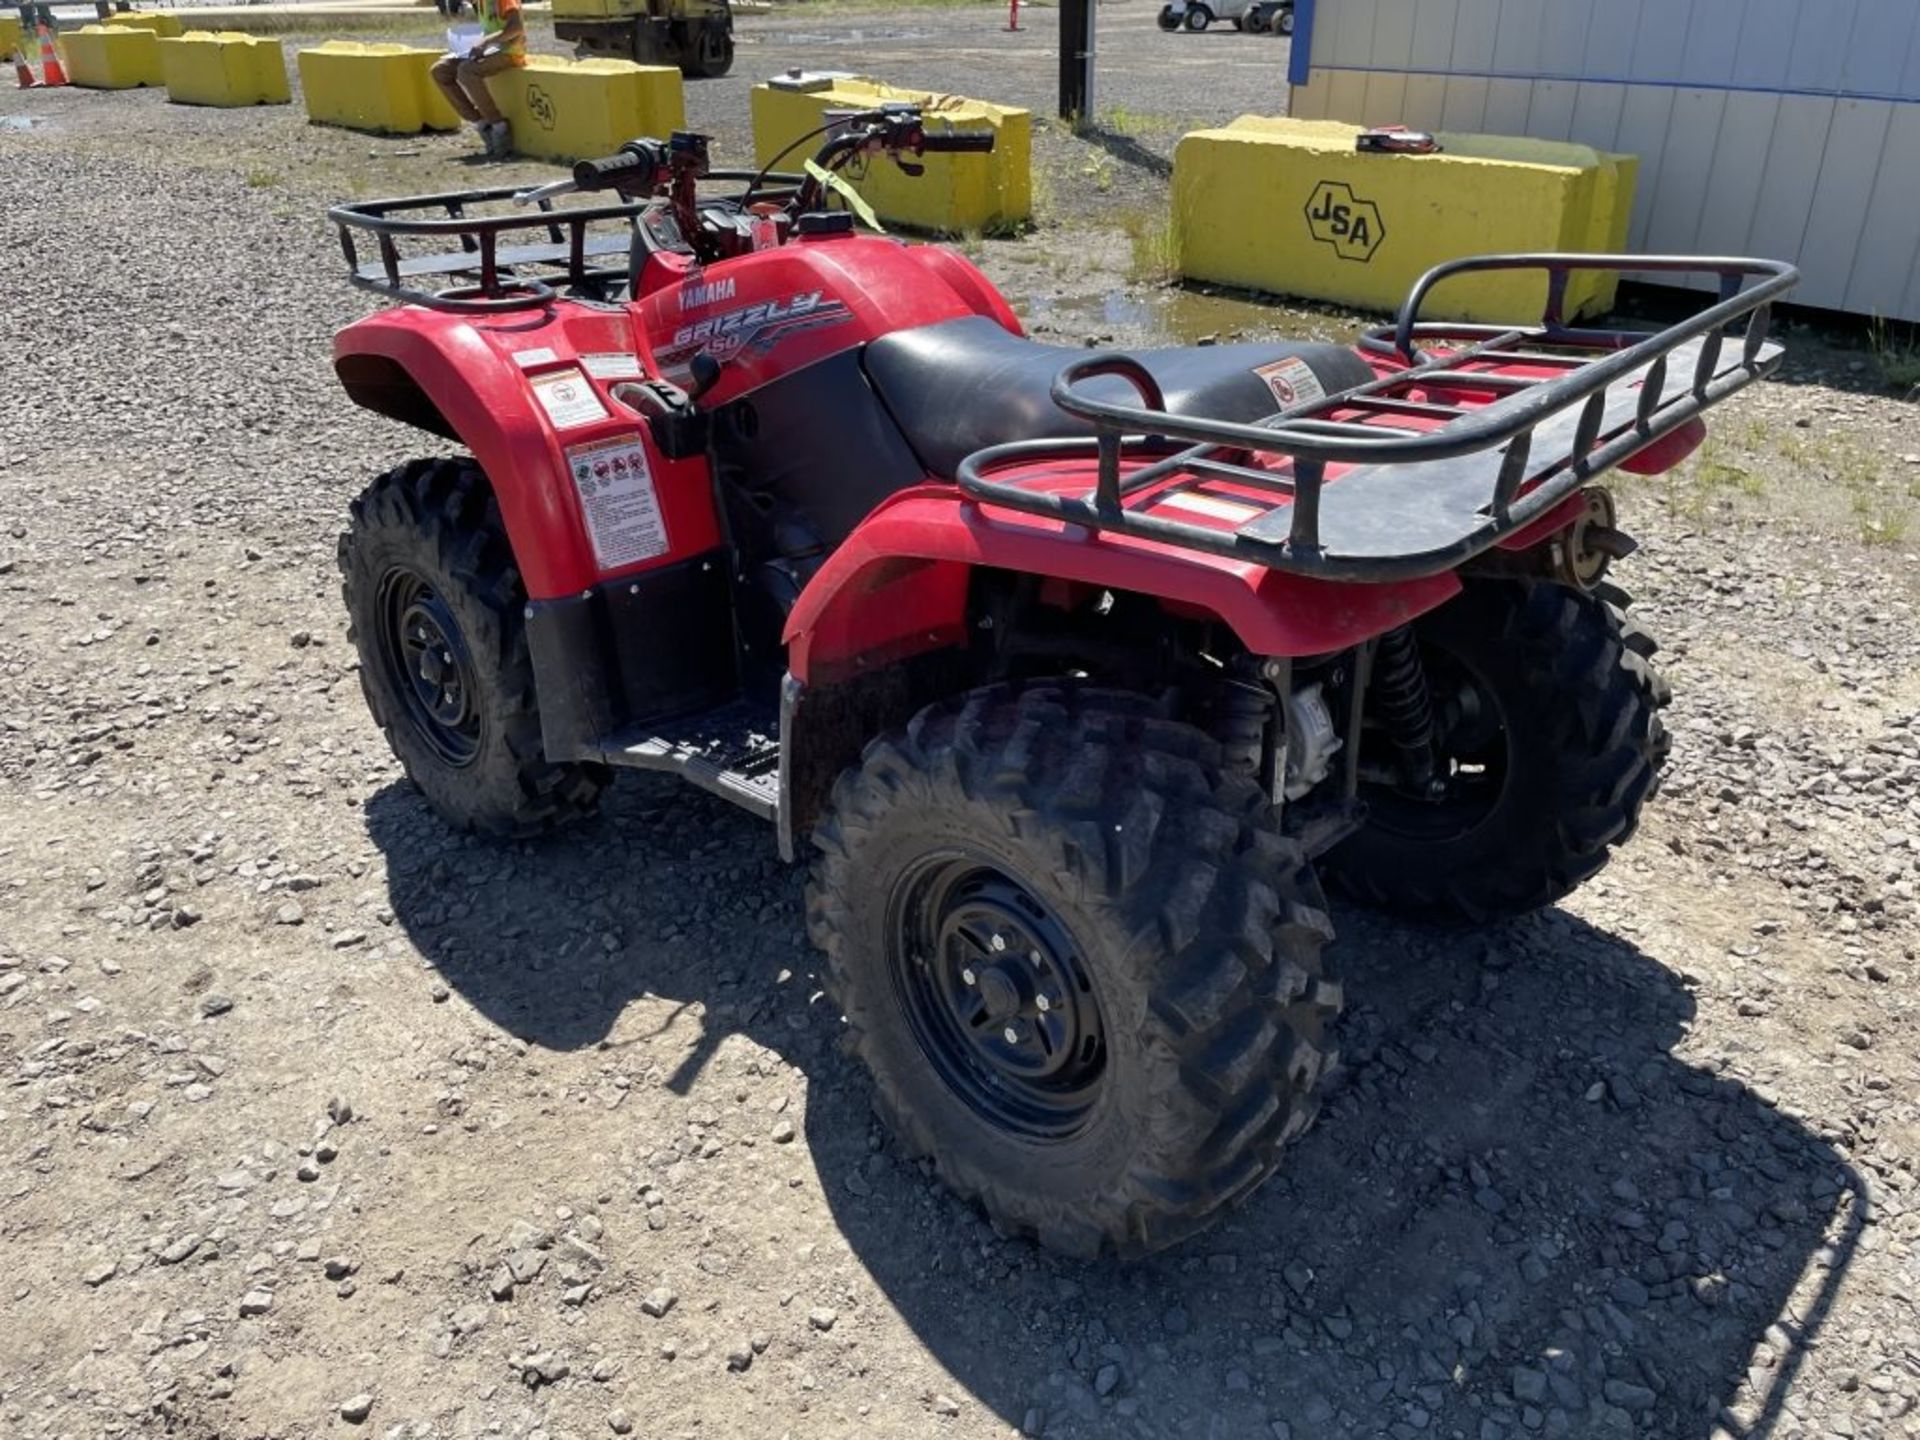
(1198, 18)
(436, 611)
(1550, 742)
(1283, 22)
(1166, 19)
(1068, 843)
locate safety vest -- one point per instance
(493, 16)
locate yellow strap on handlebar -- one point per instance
(844, 189)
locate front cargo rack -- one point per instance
(500, 256)
(1472, 432)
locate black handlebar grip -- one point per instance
(592, 174)
(977, 142)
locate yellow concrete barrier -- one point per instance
(9, 36)
(958, 192)
(582, 109)
(224, 69)
(1289, 206)
(102, 57)
(382, 88)
(160, 23)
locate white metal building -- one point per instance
(1782, 128)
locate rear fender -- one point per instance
(472, 379)
(1668, 451)
(898, 586)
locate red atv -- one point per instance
(1071, 666)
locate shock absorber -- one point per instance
(1243, 718)
(1402, 704)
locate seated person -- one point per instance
(463, 78)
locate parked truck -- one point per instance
(696, 35)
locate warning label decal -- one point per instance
(612, 366)
(617, 497)
(568, 399)
(1234, 512)
(1292, 381)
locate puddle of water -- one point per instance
(1182, 317)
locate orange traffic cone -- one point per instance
(23, 72)
(51, 72)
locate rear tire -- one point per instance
(437, 613)
(1198, 18)
(1167, 20)
(1283, 22)
(1556, 706)
(1134, 879)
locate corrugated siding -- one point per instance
(1785, 128)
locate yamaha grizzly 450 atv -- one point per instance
(1073, 670)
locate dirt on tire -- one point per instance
(434, 525)
(1213, 1001)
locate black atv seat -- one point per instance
(961, 385)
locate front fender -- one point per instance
(479, 398)
(473, 379)
(898, 586)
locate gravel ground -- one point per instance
(317, 1117)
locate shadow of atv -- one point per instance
(1520, 1211)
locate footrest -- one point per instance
(732, 751)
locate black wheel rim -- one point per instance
(429, 666)
(998, 996)
(1472, 758)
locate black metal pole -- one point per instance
(1076, 61)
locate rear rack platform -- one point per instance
(732, 751)
(1469, 433)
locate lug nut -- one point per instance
(967, 975)
(1042, 1004)
(1011, 1035)
(999, 942)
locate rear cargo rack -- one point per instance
(1475, 431)
(506, 259)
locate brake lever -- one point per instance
(541, 193)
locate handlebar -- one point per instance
(668, 169)
(592, 174)
(957, 142)
(636, 160)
